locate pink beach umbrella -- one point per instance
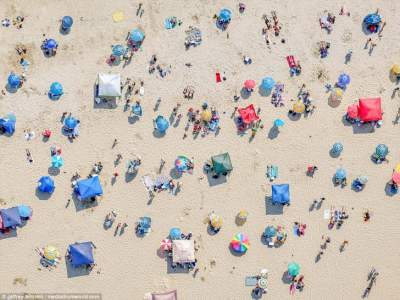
(249, 84)
(166, 244)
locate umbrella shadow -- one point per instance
(53, 171)
(286, 278)
(10, 89)
(213, 180)
(161, 254)
(272, 209)
(392, 77)
(133, 119)
(210, 230)
(263, 92)
(244, 93)
(158, 134)
(234, 253)
(130, 176)
(388, 190)
(333, 154)
(42, 196)
(64, 31)
(76, 271)
(294, 116)
(273, 133)
(175, 174)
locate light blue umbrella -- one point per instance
(14, 80)
(381, 151)
(279, 123)
(337, 148)
(70, 123)
(136, 36)
(24, 211)
(57, 161)
(175, 233)
(340, 174)
(137, 109)
(67, 22)
(225, 15)
(162, 124)
(269, 232)
(56, 89)
(118, 50)
(267, 83)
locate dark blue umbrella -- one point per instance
(81, 253)
(56, 89)
(46, 184)
(7, 126)
(225, 15)
(267, 83)
(70, 123)
(162, 124)
(50, 44)
(136, 36)
(343, 80)
(372, 19)
(67, 22)
(14, 80)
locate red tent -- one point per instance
(370, 109)
(248, 114)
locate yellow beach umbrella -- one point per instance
(51, 252)
(206, 115)
(242, 215)
(299, 107)
(397, 168)
(118, 16)
(215, 221)
(396, 69)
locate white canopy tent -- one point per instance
(109, 85)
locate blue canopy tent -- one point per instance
(70, 123)
(81, 254)
(46, 184)
(88, 188)
(267, 83)
(14, 81)
(280, 194)
(162, 124)
(136, 36)
(56, 90)
(10, 217)
(225, 15)
(7, 126)
(66, 23)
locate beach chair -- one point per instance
(143, 226)
(250, 281)
(272, 172)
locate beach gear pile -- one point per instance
(274, 236)
(205, 121)
(193, 37)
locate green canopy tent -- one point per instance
(221, 163)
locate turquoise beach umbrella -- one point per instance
(57, 161)
(267, 83)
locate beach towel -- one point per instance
(217, 77)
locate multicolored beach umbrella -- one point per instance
(240, 243)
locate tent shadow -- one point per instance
(244, 93)
(53, 171)
(176, 270)
(272, 209)
(264, 93)
(363, 129)
(75, 272)
(42, 196)
(158, 134)
(82, 205)
(11, 234)
(215, 181)
(104, 104)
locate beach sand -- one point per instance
(128, 266)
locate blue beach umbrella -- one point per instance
(57, 161)
(175, 233)
(24, 211)
(136, 36)
(50, 44)
(337, 148)
(343, 80)
(46, 184)
(67, 22)
(279, 123)
(269, 232)
(372, 19)
(267, 83)
(118, 50)
(137, 109)
(381, 150)
(162, 124)
(70, 123)
(340, 174)
(14, 80)
(56, 89)
(225, 15)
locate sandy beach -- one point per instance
(128, 266)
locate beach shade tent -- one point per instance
(370, 109)
(10, 217)
(269, 232)
(46, 184)
(14, 81)
(206, 115)
(279, 123)
(267, 83)
(280, 194)
(136, 36)
(340, 174)
(293, 269)
(57, 161)
(109, 85)
(70, 123)
(56, 89)
(51, 252)
(352, 111)
(172, 295)
(66, 23)
(183, 251)
(118, 50)
(395, 70)
(175, 233)
(221, 163)
(240, 243)
(24, 211)
(225, 15)
(182, 164)
(343, 80)
(161, 124)
(7, 126)
(88, 188)
(248, 114)
(249, 84)
(337, 148)
(372, 22)
(381, 151)
(81, 254)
